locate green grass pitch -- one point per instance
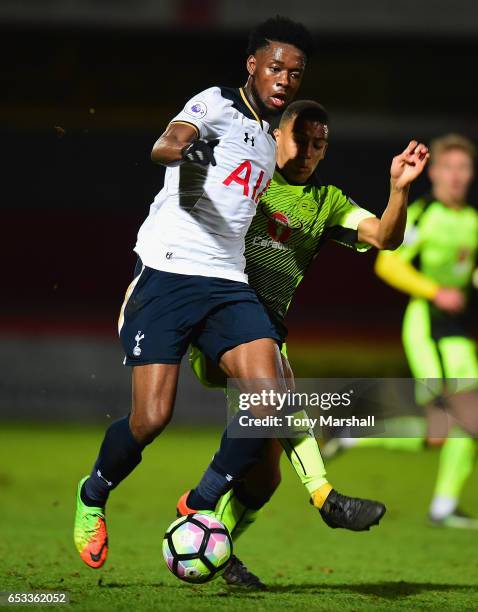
(402, 565)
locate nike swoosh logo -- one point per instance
(96, 557)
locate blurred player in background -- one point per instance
(435, 267)
(296, 216)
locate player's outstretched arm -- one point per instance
(387, 232)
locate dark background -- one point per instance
(88, 89)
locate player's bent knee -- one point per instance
(149, 424)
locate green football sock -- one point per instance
(236, 516)
(304, 454)
(456, 464)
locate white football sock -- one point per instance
(442, 506)
(348, 442)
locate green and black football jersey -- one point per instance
(291, 224)
(441, 241)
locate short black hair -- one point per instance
(305, 109)
(280, 29)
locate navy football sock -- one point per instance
(237, 455)
(232, 461)
(119, 454)
(205, 495)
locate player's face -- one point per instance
(275, 75)
(301, 144)
(451, 174)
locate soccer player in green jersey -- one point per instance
(435, 267)
(294, 218)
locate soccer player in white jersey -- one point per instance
(190, 285)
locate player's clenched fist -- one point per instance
(200, 152)
(408, 165)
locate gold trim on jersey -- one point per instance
(249, 105)
(188, 123)
(128, 293)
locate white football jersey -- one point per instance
(198, 221)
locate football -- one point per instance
(197, 548)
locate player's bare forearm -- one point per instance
(388, 231)
(169, 147)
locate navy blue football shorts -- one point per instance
(163, 313)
